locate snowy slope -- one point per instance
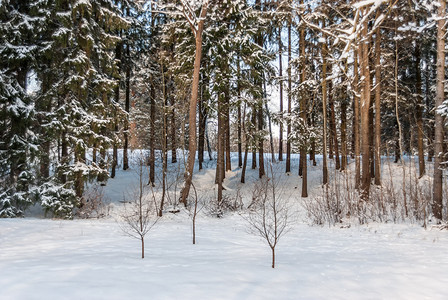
(93, 259)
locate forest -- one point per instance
(341, 84)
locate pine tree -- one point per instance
(18, 148)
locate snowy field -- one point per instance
(93, 259)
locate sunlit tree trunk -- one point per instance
(198, 29)
(437, 205)
(377, 149)
(365, 108)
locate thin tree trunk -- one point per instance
(437, 205)
(377, 149)
(428, 100)
(240, 145)
(313, 142)
(228, 165)
(193, 104)
(303, 115)
(356, 114)
(324, 113)
(419, 111)
(173, 131)
(334, 129)
(221, 139)
(261, 171)
(254, 150)
(246, 148)
(126, 109)
(202, 121)
(343, 135)
(271, 139)
(280, 74)
(152, 137)
(288, 128)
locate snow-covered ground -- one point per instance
(93, 259)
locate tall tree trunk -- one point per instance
(324, 113)
(280, 74)
(246, 148)
(377, 149)
(313, 142)
(254, 148)
(288, 127)
(152, 137)
(220, 168)
(44, 171)
(428, 100)
(201, 135)
(343, 135)
(261, 171)
(419, 111)
(227, 126)
(164, 141)
(193, 104)
(334, 133)
(365, 109)
(303, 114)
(356, 114)
(240, 145)
(173, 130)
(126, 108)
(271, 139)
(437, 205)
(203, 102)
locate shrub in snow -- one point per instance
(93, 203)
(58, 200)
(140, 211)
(269, 216)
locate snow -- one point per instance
(94, 259)
(49, 259)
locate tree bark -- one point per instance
(193, 104)
(173, 130)
(377, 149)
(280, 74)
(227, 126)
(356, 138)
(126, 108)
(288, 127)
(437, 205)
(152, 137)
(303, 114)
(343, 135)
(261, 171)
(419, 111)
(240, 145)
(334, 132)
(365, 108)
(324, 113)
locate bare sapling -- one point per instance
(194, 213)
(269, 215)
(140, 212)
